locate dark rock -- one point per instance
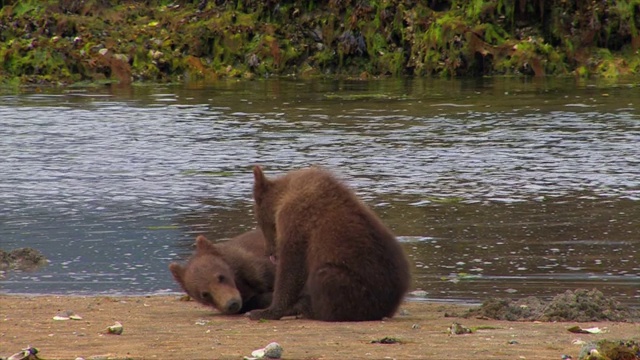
(21, 259)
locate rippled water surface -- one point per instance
(494, 187)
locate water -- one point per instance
(495, 187)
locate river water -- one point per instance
(495, 187)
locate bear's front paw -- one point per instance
(265, 314)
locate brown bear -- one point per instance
(336, 261)
(233, 276)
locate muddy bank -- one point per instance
(62, 42)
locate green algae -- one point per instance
(63, 42)
(353, 97)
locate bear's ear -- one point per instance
(260, 184)
(203, 244)
(178, 273)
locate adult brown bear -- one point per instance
(336, 261)
(233, 276)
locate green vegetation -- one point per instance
(163, 227)
(70, 41)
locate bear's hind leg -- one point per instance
(338, 294)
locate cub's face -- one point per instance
(208, 279)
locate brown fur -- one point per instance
(233, 276)
(336, 261)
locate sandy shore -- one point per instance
(162, 327)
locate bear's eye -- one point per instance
(221, 278)
(206, 295)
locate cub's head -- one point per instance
(208, 279)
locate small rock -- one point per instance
(271, 351)
(96, 48)
(28, 353)
(386, 340)
(101, 357)
(579, 330)
(155, 54)
(121, 57)
(67, 315)
(458, 329)
(253, 61)
(419, 293)
(115, 329)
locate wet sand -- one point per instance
(163, 327)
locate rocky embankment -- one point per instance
(71, 41)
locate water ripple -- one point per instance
(79, 169)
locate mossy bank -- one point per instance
(71, 41)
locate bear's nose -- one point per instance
(233, 306)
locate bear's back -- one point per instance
(340, 227)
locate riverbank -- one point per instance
(89, 42)
(163, 327)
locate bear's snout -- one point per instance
(232, 306)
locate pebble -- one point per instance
(271, 351)
(115, 329)
(419, 293)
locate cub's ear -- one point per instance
(203, 244)
(260, 184)
(178, 273)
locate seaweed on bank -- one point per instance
(610, 350)
(21, 259)
(580, 305)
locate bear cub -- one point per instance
(233, 276)
(336, 260)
